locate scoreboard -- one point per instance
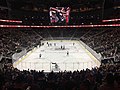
(59, 15)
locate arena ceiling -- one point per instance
(86, 10)
(37, 5)
(41, 5)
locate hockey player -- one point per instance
(40, 56)
(67, 53)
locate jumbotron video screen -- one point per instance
(59, 15)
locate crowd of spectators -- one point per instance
(81, 11)
(15, 40)
(106, 77)
(75, 18)
(3, 13)
(102, 40)
(105, 42)
(43, 18)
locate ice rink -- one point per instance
(58, 55)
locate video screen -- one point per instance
(59, 15)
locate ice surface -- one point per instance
(54, 57)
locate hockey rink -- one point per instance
(58, 55)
